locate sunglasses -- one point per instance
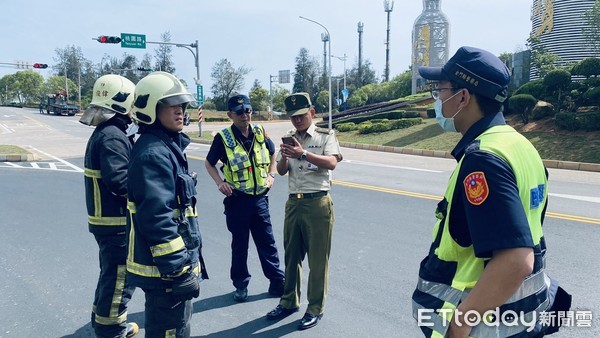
(243, 111)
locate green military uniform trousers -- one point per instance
(307, 230)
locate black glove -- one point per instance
(186, 286)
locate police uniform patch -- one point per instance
(476, 188)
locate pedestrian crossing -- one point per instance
(41, 165)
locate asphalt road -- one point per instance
(384, 207)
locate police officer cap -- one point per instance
(479, 71)
(238, 102)
(297, 104)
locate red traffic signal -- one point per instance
(40, 65)
(109, 39)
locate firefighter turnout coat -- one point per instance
(164, 235)
(106, 160)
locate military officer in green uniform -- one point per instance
(308, 155)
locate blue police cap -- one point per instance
(238, 102)
(479, 71)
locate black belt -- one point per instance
(309, 195)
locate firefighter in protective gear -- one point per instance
(106, 160)
(164, 257)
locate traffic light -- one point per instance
(40, 65)
(144, 69)
(108, 39)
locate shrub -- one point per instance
(348, 126)
(592, 96)
(589, 121)
(216, 119)
(566, 121)
(533, 88)
(522, 104)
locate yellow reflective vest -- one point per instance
(247, 172)
(450, 271)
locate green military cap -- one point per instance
(298, 104)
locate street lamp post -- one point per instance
(342, 58)
(329, 74)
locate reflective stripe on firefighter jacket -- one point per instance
(246, 172)
(105, 177)
(450, 271)
(164, 235)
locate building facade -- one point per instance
(558, 24)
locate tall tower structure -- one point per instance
(388, 7)
(558, 25)
(429, 41)
(325, 39)
(360, 31)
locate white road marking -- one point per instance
(389, 166)
(577, 197)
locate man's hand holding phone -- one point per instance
(290, 147)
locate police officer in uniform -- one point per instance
(488, 250)
(248, 157)
(309, 159)
(165, 257)
(105, 175)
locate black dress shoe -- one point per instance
(309, 321)
(280, 312)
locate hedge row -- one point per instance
(378, 125)
(391, 115)
(572, 121)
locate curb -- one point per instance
(17, 158)
(553, 164)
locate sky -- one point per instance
(264, 35)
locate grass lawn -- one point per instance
(564, 146)
(12, 150)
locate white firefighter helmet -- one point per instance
(154, 89)
(112, 94)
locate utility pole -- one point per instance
(388, 7)
(360, 77)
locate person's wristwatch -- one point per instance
(303, 156)
(272, 175)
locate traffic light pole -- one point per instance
(186, 46)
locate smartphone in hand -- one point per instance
(289, 140)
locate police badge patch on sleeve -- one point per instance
(476, 188)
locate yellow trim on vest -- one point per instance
(142, 270)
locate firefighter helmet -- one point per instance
(113, 92)
(154, 89)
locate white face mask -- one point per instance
(447, 123)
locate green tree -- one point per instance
(163, 55)
(306, 74)
(557, 81)
(226, 81)
(322, 102)
(30, 86)
(591, 31)
(542, 60)
(55, 83)
(70, 62)
(505, 57)
(368, 75)
(522, 104)
(259, 97)
(587, 67)
(279, 94)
